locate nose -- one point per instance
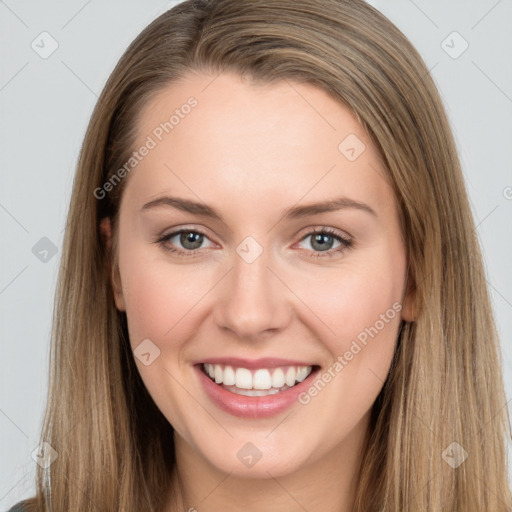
(252, 302)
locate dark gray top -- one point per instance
(16, 508)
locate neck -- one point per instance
(327, 484)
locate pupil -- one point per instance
(191, 240)
(322, 240)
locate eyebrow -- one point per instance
(294, 212)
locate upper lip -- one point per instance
(264, 362)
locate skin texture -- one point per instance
(251, 151)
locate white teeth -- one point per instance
(290, 376)
(229, 376)
(302, 373)
(219, 374)
(262, 380)
(251, 383)
(278, 378)
(243, 378)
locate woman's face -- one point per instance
(290, 267)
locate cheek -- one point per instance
(360, 296)
(158, 300)
(361, 306)
(362, 312)
(161, 302)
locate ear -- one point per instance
(115, 276)
(409, 306)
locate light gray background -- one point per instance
(45, 105)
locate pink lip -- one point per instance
(250, 364)
(253, 406)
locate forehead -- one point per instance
(279, 114)
(232, 137)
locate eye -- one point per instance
(189, 239)
(322, 241)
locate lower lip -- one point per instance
(252, 406)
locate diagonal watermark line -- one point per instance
(423, 423)
(428, 73)
(379, 173)
(76, 14)
(14, 76)
(286, 491)
(216, 487)
(498, 412)
(486, 217)
(13, 13)
(310, 105)
(424, 13)
(13, 487)
(76, 423)
(486, 14)
(280, 423)
(197, 401)
(14, 423)
(196, 303)
(492, 81)
(406, 507)
(210, 82)
(311, 188)
(84, 489)
(498, 292)
(79, 78)
(13, 217)
(13, 279)
(302, 301)
(376, 376)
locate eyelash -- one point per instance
(345, 242)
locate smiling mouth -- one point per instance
(257, 382)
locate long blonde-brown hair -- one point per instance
(115, 449)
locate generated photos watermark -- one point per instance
(152, 141)
(343, 360)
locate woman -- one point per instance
(271, 294)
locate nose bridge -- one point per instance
(253, 300)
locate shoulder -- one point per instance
(17, 508)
